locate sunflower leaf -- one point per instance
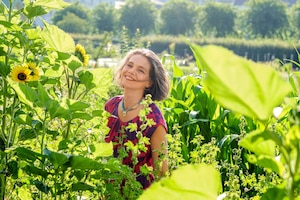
(57, 39)
(25, 93)
(51, 4)
(251, 89)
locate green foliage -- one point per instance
(103, 18)
(201, 20)
(73, 24)
(178, 17)
(52, 129)
(261, 50)
(217, 20)
(271, 13)
(295, 15)
(138, 15)
(77, 9)
(254, 96)
(272, 148)
(223, 137)
(184, 183)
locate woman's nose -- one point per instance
(131, 70)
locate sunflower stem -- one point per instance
(11, 134)
(68, 81)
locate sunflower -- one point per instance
(35, 74)
(81, 54)
(21, 74)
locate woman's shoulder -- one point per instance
(156, 112)
(157, 116)
(112, 103)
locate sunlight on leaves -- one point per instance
(57, 39)
(52, 4)
(249, 88)
(188, 182)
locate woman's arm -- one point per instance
(159, 148)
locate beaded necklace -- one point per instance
(124, 111)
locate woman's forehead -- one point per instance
(139, 60)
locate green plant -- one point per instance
(51, 140)
(276, 149)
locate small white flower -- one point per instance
(277, 158)
(277, 111)
(222, 196)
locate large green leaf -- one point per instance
(25, 93)
(10, 26)
(75, 105)
(43, 96)
(103, 149)
(57, 39)
(86, 78)
(80, 162)
(28, 155)
(80, 186)
(263, 145)
(189, 182)
(32, 170)
(276, 193)
(101, 77)
(268, 162)
(81, 115)
(251, 89)
(259, 142)
(56, 159)
(32, 11)
(51, 4)
(56, 110)
(74, 64)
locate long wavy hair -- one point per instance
(160, 83)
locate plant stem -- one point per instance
(42, 146)
(68, 129)
(2, 185)
(11, 134)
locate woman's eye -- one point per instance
(142, 71)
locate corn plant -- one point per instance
(254, 90)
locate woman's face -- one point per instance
(136, 73)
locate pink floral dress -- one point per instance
(114, 135)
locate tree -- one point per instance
(77, 9)
(295, 15)
(73, 24)
(138, 14)
(178, 17)
(266, 18)
(103, 18)
(217, 18)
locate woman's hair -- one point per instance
(160, 83)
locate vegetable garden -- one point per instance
(234, 126)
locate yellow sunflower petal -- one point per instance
(35, 74)
(20, 74)
(81, 54)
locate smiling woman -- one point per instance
(140, 75)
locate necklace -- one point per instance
(124, 111)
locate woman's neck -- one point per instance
(131, 98)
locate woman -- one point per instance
(140, 73)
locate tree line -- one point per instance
(256, 19)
